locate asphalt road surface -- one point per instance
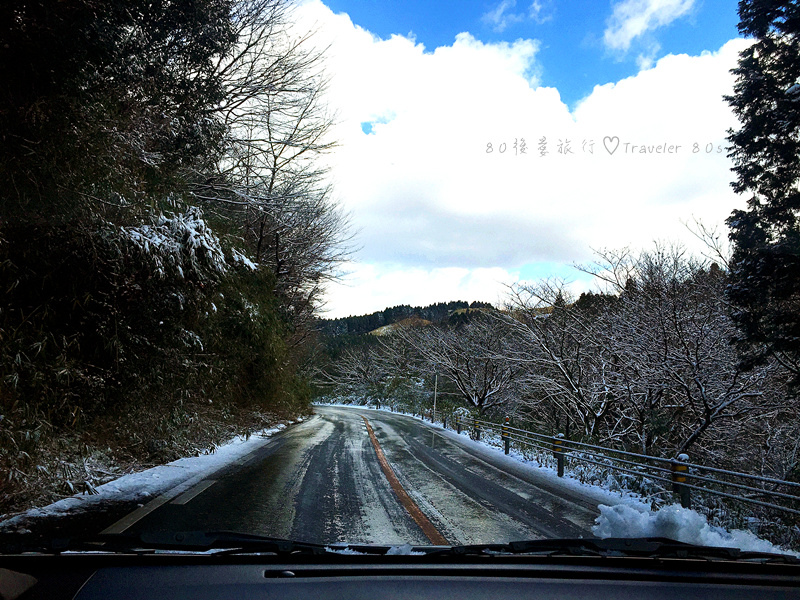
(363, 476)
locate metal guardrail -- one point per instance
(683, 476)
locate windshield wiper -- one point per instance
(227, 542)
(615, 547)
(153, 541)
(217, 542)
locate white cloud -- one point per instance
(647, 60)
(631, 19)
(431, 202)
(372, 287)
(503, 15)
(541, 11)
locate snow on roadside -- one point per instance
(624, 514)
(677, 523)
(146, 485)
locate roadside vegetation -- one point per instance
(164, 233)
(645, 365)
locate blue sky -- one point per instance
(439, 217)
(572, 56)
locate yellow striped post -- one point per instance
(679, 470)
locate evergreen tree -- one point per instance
(765, 270)
(107, 101)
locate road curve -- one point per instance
(322, 481)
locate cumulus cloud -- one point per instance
(431, 167)
(631, 19)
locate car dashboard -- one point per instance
(86, 576)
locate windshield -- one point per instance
(403, 274)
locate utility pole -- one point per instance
(435, 391)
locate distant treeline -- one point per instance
(355, 325)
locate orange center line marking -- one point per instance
(408, 503)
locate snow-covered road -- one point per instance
(321, 481)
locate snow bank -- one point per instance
(674, 522)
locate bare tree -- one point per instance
(470, 356)
(673, 331)
(567, 367)
(647, 364)
(360, 372)
(271, 179)
(387, 370)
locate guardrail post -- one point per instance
(444, 421)
(679, 469)
(477, 430)
(505, 436)
(458, 424)
(558, 452)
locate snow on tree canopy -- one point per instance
(184, 241)
(241, 259)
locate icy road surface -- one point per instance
(321, 481)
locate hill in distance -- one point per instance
(374, 322)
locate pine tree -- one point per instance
(765, 270)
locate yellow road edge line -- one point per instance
(408, 503)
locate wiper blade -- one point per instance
(578, 547)
(216, 542)
(233, 541)
(668, 548)
(226, 540)
(615, 547)
(182, 541)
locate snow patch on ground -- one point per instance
(677, 523)
(146, 485)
